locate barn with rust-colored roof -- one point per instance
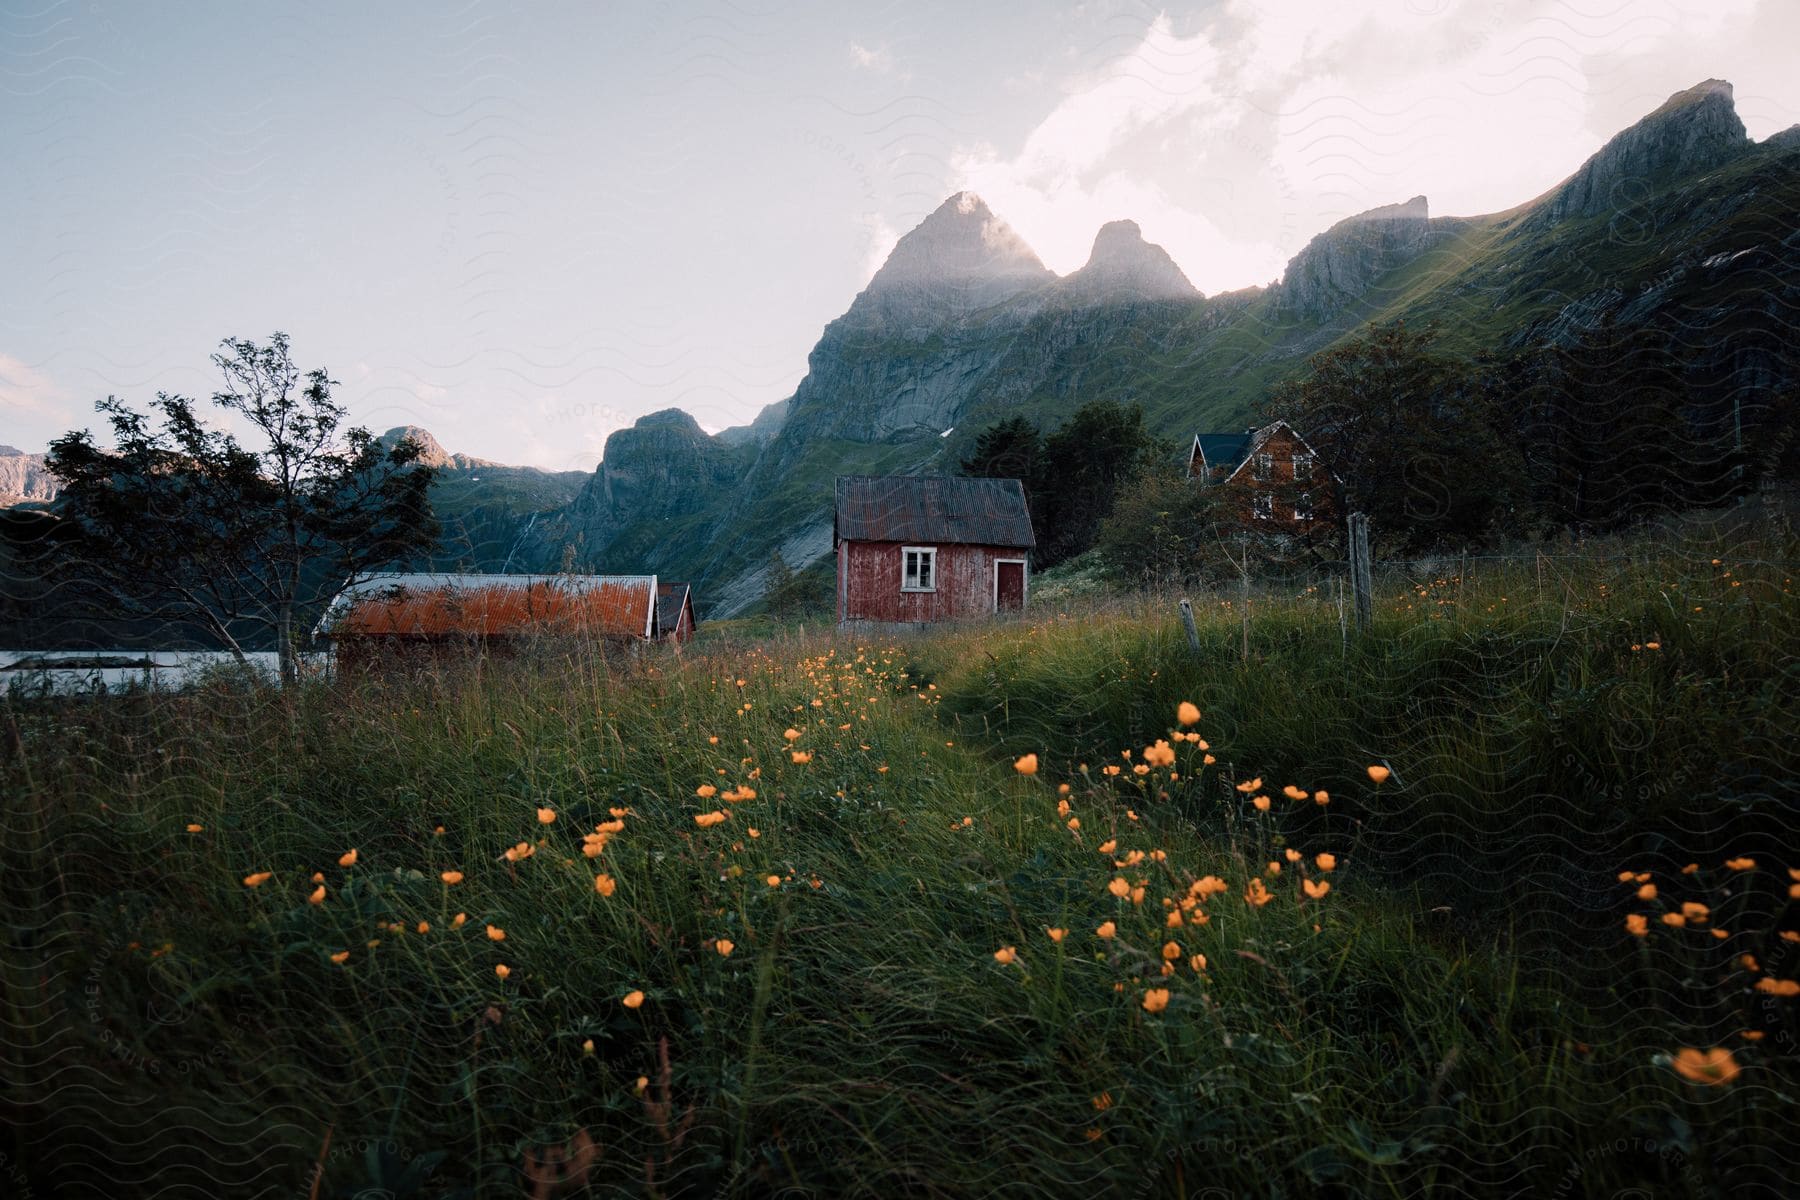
(404, 616)
(915, 550)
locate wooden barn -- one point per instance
(917, 550)
(675, 612)
(400, 619)
(1276, 478)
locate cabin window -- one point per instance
(1265, 466)
(1303, 507)
(1303, 466)
(919, 569)
(1263, 507)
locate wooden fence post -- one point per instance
(1361, 581)
(1187, 623)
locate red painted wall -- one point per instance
(869, 583)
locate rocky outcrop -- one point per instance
(1339, 265)
(1123, 267)
(23, 478)
(434, 453)
(664, 466)
(1692, 131)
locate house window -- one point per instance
(1303, 466)
(1263, 507)
(1265, 466)
(919, 569)
(1303, 506)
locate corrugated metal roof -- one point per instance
(933, 509)
(399, 604)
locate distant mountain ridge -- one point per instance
(1679, 220)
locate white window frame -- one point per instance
(1024, 582)
(1262, 507)
(1303, 462)
(1263, 467)
(928, 560)
(1303, 507)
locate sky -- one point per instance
(522, 226)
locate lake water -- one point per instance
(171, 669)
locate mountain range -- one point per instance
(1679, 222)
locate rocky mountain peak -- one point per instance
(670, 418)
(432, 455)
(1692, 131)
(962, 256)
(1122, 265)
(1339, 265)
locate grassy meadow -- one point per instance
(990, 912)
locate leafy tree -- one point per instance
(781, 593)
(1163, 529)
(1084, 466)
(182, 522)
(1418, 445)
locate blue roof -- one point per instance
(1224, 449)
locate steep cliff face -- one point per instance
(1692, 131)
(664, 466)
(900, 364)
(23, 477)
(1339, 265)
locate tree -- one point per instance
(1085, 463)
(790, 595)
(1163, 529)
(181, 522)
(1009, 449)
(1418, 444)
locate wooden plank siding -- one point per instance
(869, 577)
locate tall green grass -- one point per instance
(170, 1028)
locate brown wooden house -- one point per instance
(1275, 480)
(405, 619)
(917, 550)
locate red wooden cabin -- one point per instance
(404, 619)
(918, 550)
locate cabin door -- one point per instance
(1009, 585)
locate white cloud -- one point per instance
(1234, 143)
(880, 61)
